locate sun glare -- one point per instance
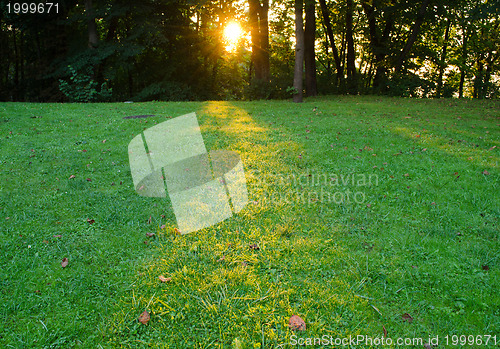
(232, 35)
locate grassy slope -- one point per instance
(416, 244)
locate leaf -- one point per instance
(254, 247)
(91, 221)
(72, 176)
(385, 331)
(58, 236)
(407, 317)
(149, 235)
(486, 173)
(89, 180)
(144, 318)
(485, 267)
(296, 323)
(149, 220)
(427, 346)
(163, 227)
(164, 279)
(221, 259)
(64, 262)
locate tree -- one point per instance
(331, 39)
(309, 48)
(299, 51)
(259, 31)
(352, 79)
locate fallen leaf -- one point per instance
(407, 317)
(91, 221)
(144, 318)
(164, 279)
(406, 175)
(64, 262)
(149, 220)
(72, 176)
(296, 323)
(177, 231)
(427, 346)
(385, 331)
(254, 247)
(89, 180)
(221, 259)
(485, 267)
(149, 235)
(58, 236)
(163, 226)
(493, 147)
(486, 172)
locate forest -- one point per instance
(171, 50)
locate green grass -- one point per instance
(421, 238)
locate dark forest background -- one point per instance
(122, 50)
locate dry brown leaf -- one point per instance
(427, 346)
(407, 317)
(164, 279)
(486, 173)
(72, 176)
(58, 236)
(149, 235)
(385, 331)
(296, 323)
(144, 318)
(149, 220)
(64, 262)
(255, 247)
(91, 221)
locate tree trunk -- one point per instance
(329, 31)
(16, 66)
(259, 32)
(352, 84)
(91, 25)
(413, 36)
(464, 59)
(442, 64)
(264, 39)
(309, 48)
(299, 52)
(379, 45)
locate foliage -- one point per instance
(82, 88)
(173, 50)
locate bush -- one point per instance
(82, 88)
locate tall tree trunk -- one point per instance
(264, 39)
(299, 51)
(329, 31)
(16, 65)
(442, 63)
(479, 78)
(91, 25)
(464, 58)
(309, 48)
(415, 30)
(259, 32)
(352, 84)
(379, 45)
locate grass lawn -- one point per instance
(366, 215)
